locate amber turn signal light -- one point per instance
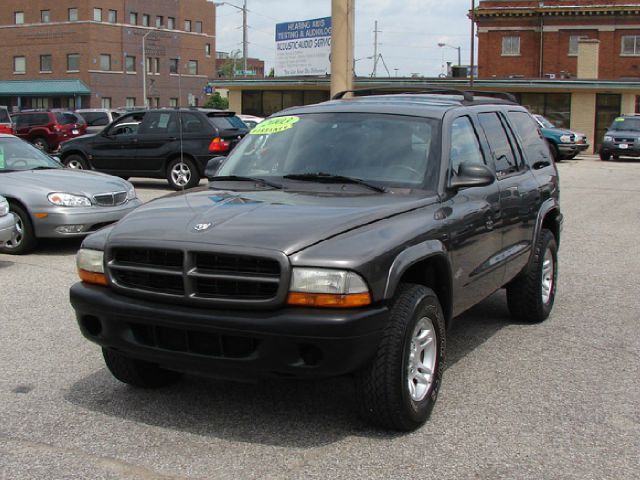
(329, 300)
(93, 277)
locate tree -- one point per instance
(217, 101)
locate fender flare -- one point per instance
(547, 206)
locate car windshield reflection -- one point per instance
(16, 154)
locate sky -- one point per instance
(410, 31)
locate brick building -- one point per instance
(98, 44)
(539, 39)
(227, 66)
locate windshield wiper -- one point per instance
(331, 178)
(237, 178)
(40, 167)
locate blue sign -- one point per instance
(318, 27)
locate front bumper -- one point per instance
(288, 342)
(7, 228)
(572, 148)
(631, 150)
(93, 218)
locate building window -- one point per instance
(153, 64)
(113, 16)
(130, 102)
(198, 27)
(130, 63)
(105, 62)
(105, 102)
(40, 102)
(97, 14)
(637, 103)
(192, 67)
(171, 23)
(133, 18)
(631, 45)
(187, 25)
(145, 19)
(18, 18)
(159, 21)
(73, 62)
(573, 43)
(207, 49)
(45, 63)
(510, 46)
(19, 65)
(73, 15)
(173, 65)
(45, 16)
(173, 102)
(153, 102)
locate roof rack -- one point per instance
(467, 95)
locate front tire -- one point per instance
(555, 153)
(398, 389)
(138, 372)
(531, 294)
(182, 174)
(605, 155)
(75, 162)
(24, 238)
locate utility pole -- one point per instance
(473, 41)
(375, 49)
(245, 40)
(342, 19)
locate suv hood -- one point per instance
(283, 221)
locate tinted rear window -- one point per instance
(67, 118)
(226, 123)
(96, 118)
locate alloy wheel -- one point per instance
(422, 359)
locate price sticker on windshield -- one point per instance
(619, 119)
(274, 125)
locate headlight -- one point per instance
(131, 192)
(608, 138)
(4, 207)
(565, 138)
(68, 200)
(323, 287)
(90, 265)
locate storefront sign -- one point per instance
(303, 48)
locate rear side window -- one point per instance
(66, 118)
(159, 123)
(96, 119)
(37, 119)
(534, 145)
(503, 154)
(191, 123)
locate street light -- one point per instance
(357, 60)
(144, 70)
(245, 42)
(451, 46)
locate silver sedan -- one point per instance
(50, 201)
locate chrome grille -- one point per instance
(195, 277)
(110, 199)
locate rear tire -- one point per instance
(41, 144)
(24, 239)
(399, 388)
(138, 372)
(75, 162)
(531, 294)
(182, 175)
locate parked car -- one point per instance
(98, 118)
(7, 222)
(5, 121)
(564, 144)
(47, 129)
(622, 139)
(250, 120)
(50, 201)
(342, 237)
(150, 143)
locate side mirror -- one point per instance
(213, 165)
(472, 175)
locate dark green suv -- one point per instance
(337, 238)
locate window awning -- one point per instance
(42, 88)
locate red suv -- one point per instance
(46, 130)
(5, 121)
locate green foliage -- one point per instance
(217, 101)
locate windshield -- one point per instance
(16, 154)
(622, 123)
(387, 150)
(544, 122)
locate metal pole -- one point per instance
(459, 60)
(245, 44)
(144, 70)
(473, 41)
(375, 50)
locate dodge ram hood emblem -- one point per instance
(201, 227)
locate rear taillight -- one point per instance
(219, 145)
(57, 128)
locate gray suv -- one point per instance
(622, 138)
(337, 238)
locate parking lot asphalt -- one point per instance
(557, 400)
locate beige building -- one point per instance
(49, 46)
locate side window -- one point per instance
(158, 123)
(191, 123)
(503, 154)
(126, 125)
(465, 147)
(532, 140)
